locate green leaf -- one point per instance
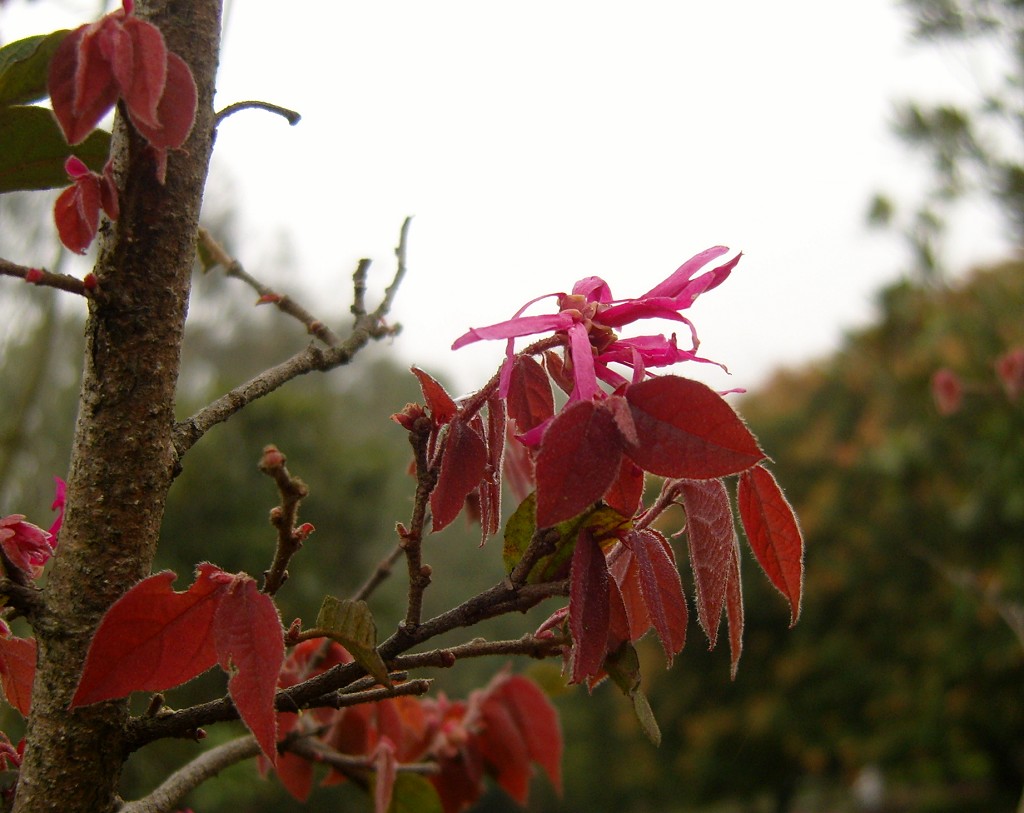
(351, 624)
(522, 525)
(34, 150)
(623, 667)
(24, 66)
(414, 794)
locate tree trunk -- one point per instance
(122, 460)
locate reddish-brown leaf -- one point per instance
(153, 638)
(385, 772)
(17, 670)
(537, 722)
(774, 533)
(622, 567)
(686, 429)
(734, 611)
(463, 465)
(578, 460)
(139, 61)
(503, 746)
(712, 540)
(295, 772)
(77, 221)
(589, 614)
(627, 490)
(81, 94)
(439, 402)
(530, 401)
(662, 590)
(250, 647)
(176, 110)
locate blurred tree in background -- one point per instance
(973, 144)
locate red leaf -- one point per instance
(627, 490)
(622, 566)
(386, 771)
(176, 111)
(295, 772)
(250, 647)
(503, 746)
(578, 461)
(686, 429)
(17, 670)
(661, 588)
(77, 214)
(463, 464)
(442, 407)
(81, 85)
(140, 63)
(773, 533)
(537, 721)
(712, 539)
(734, 611)
(589, 612)
(530, 401)
(153, 638)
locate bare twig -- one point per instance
(233, 268)
(292, 117)
(379, 575)
(367, 327)
(446, 657)
(283, 517)
(38, 276)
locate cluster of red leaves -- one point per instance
(77, 210)
(501, 731)
(154, 638)
(623, 577)
(118, 57)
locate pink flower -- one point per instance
(25, 545)
(589, 316)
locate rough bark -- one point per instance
(122, 460)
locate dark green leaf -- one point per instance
(522, 525)
(623, 667)
(414, 794)
(34, 150)
(23, 68)
(351, 624)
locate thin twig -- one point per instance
(292, 117)
(446, 657)
(379, 575)
(38, 276)
(267, 295)
(283, 517)
(311, 359)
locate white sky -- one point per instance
(539, 142)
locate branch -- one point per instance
(233, 268)
(173, 790)
(283, 517)
(39, 276)
(379, 575)
(446, 657)
(367, 327)
(292, 117)
(498, 600)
